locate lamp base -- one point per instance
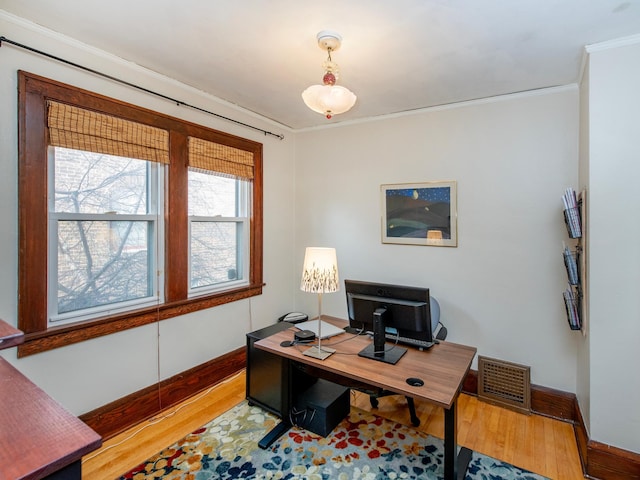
(319, 352)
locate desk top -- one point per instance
(443, 367)
(9, 336)
(38, 436)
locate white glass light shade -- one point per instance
(320, 270)
(329, 99)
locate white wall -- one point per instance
(614, 257)
(90, 374)
(501, 288)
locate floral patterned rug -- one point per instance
(363, 446)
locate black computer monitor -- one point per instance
(378, 307)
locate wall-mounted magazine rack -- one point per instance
(574, 259)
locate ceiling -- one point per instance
(395, 56)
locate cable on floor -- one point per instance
(156, 420)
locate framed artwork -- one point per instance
(420, 214)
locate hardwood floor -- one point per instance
(533, 442)
(130, 448)
(540, 444)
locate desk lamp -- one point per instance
(319, 275)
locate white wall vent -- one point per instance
(505, 384)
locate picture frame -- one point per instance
(420, 213)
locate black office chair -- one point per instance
(440, 334)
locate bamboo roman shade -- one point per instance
(220, 159)
(81, 129)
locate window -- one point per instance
(103, 228)
(218, 228)
(127, 216)
(219, 192)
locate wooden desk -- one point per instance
(9, 336)
(443, 369)
(38, 438)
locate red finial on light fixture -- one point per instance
(329, 79)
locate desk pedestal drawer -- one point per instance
(265, 371)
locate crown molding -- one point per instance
(616, 43)
(448, 106)
(135, 68)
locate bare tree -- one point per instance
(104, 258)
(100, 260)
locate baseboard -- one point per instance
(599, 461)
(605, 462)
(117, 416)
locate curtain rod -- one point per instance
(133, 85)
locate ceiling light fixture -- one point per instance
(329, 99)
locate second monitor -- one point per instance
(379, 308)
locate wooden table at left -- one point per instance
(39, 439)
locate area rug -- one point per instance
(363, 446)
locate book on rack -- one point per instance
(571, 265)
(572, 213)
(571, 305)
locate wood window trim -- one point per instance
(33, 93)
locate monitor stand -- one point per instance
(392, 355)
(376, 350)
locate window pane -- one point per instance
(214, 253)
(87, 182)
(211, 195)
(101, 263)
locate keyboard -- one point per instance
(412, 342)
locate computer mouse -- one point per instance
(287, 343)
(415, 382)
